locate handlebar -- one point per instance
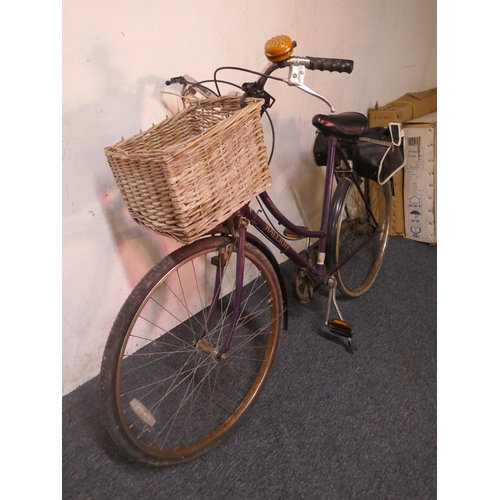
(279, 51)
(312, 63)
(325, 64)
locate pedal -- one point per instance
(341, 328)
(338, 326)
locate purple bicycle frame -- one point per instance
(318, 271)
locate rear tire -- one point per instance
(167, 397)
(351, 225)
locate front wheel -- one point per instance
(353, 228)
(169, 396)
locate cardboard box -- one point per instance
(420, 178)
(406, 108)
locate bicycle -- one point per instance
(173, 393)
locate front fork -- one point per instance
(220, 262)
(240, 267)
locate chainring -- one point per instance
(302, 284)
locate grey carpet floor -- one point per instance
(329, 424)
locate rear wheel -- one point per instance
(351, 226)
(168, 395)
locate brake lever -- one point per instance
(296, 77)
(315, 94)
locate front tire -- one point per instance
(167, 397)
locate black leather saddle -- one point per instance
(344, 125)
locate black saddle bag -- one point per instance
(380, 153)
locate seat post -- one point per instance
(327, 198)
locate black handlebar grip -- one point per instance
(326, 64)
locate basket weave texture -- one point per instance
(188, 174)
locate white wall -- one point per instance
(116, 57)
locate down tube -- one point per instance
(278, 241)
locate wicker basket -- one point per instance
(186, 175)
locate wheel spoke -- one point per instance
(188, 396)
